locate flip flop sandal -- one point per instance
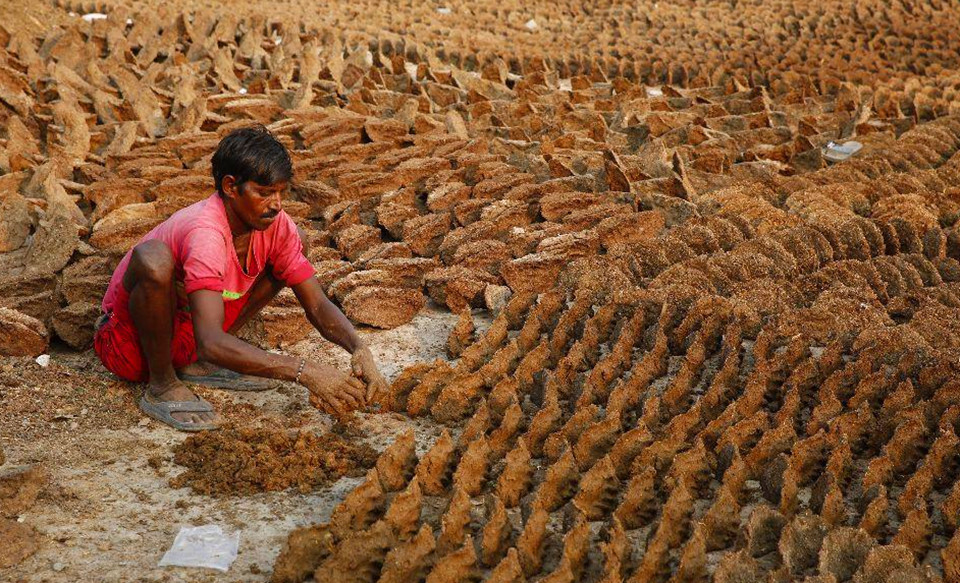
(223, 378)
(162, 411)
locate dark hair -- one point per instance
(251, 153)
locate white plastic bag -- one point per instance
(839, 152)
(202, 546)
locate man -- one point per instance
(192, 281)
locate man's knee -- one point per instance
(304, 240)
(151, 261)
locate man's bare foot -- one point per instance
(177, 391)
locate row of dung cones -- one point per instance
(755, 391)
(425, 179)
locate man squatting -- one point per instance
(177, 298)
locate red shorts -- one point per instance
(118, 344)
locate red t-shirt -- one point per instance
(199, 237)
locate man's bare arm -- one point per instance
(326, 317)
(335, 327)
(222, 349)
(216, 346)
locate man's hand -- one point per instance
(335, 391)
(335, 327)
(365, 367)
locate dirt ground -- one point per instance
(109, 513)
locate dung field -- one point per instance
(667, 291)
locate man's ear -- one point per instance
(228, 185)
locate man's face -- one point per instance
(256, 205)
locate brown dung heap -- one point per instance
(246, 461)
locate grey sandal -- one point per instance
(162, 411)
(223, 378)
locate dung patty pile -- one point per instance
(419, 173)
(783, 45)
(246, 461)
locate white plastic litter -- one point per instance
(443, 10)
(202, 546)
(531, 24)
(43, 360)
(129, 21)
(654, 92)
(367, 58)
(411, 70)
(93, 16)
(242, 91)
(839, 152)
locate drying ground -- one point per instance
(108, 512)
